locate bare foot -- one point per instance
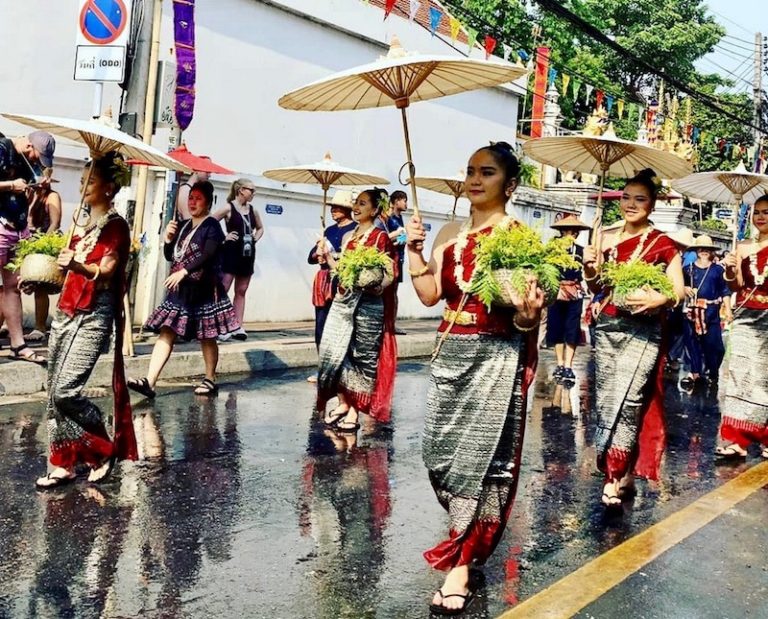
(456, 585)
(611, 494)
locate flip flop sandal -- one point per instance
(142, 386)
(439, 609)
(102, 477)
(56, 482)
(206, 387)
(35, 336)
(333, 418)
(33, 357)
(729, 453)
(349, 428)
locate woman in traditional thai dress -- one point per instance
(90, 307)
(481, 371)
(358, 352)
(745, 411)
(629, 347)
(197, 306)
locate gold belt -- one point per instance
(760, 298)
(462, 319)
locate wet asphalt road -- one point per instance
(243, 507)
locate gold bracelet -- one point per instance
(95, 276)
(729, 279)
(419, 272)
(524, 329)
(593, 278)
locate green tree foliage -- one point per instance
(669, 34)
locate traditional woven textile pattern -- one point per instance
(75, 346)
(475, 419)
(625, 364)
(746, 400)
(349, 349)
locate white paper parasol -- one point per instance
(399, 79)
(737, 186)
(450, 185)
(324, 173)
(606, 155)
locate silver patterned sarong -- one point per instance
(350, 346)
(76, 426)
(473, 439)
(474, 419)
(626, 362)
(745, 414)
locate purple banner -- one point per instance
(184, 37)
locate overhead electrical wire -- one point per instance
(713, 103)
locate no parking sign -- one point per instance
(102, 38)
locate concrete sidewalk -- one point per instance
(270, 346)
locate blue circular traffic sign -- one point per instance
(103, 21)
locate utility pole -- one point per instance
(757, 86)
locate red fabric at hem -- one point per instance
(742, 432)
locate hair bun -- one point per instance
(646, 173)
(505, 146)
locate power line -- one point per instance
(501, 36)
(729, 20)
(737, 46)
(732, 74)
(581, 24)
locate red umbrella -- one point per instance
(198, 163)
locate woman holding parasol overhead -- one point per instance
(629, 345)
(480, 375)
(745, 413)
(90, 307)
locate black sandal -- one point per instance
(57, 482)
(142, 386)
(333, 418)
(347, 427)
(729, 452)
(439, 609)
(33, 357)
(206, 387)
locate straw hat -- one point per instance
(683, 237)
(572, 222)
(703, 242)
(343, 198)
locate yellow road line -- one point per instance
(569, 595)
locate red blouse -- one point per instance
(79, 292)
(498, 321)
(751, 296)
(658, 248)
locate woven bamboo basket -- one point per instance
(620, 301)
(43, 272)
(370, 277)
(504, 277)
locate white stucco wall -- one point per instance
(249, 53)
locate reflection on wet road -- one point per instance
(242, 507)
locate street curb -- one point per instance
(19, 378)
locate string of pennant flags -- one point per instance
(657, 119)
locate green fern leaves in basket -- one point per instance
(626, 278)
(514, 253)
(354, 261)
(46, 243)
